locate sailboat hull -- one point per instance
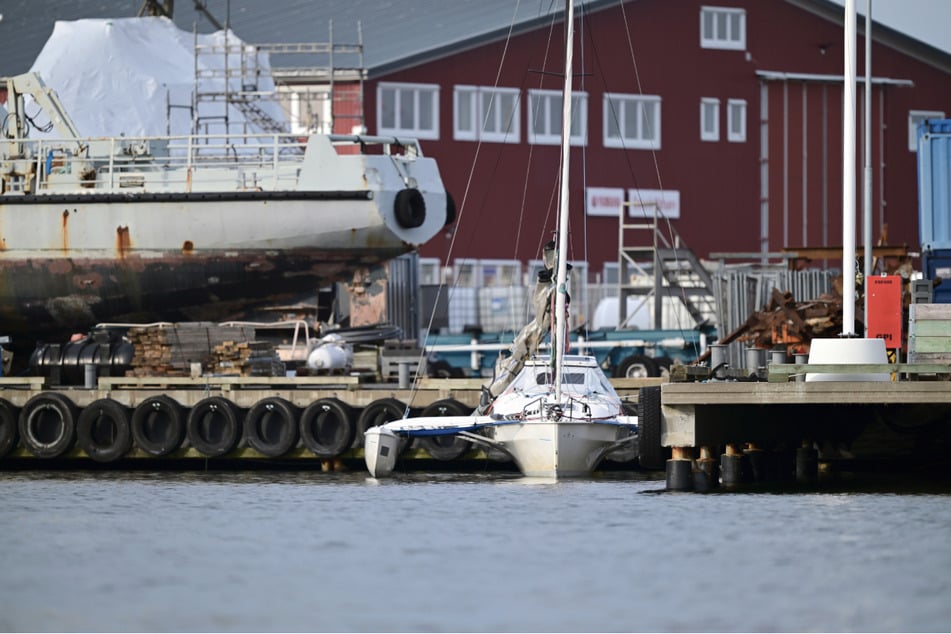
(558, 449)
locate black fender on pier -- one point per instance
(448, 447)
(48, 425)
(158, 425)
(327, 427)
(9, 434)
(379, 412)
(214, 426)
(103, 430)
(270, 426)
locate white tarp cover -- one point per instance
(115, 77)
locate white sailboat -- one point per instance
(560, 415)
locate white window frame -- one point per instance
(540, 106)
(417, 92)
(480, 100)
(914, 118)
(709, 104)
(723, 27)
(646, 134)
(734, 134)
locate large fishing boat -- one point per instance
(196, 226)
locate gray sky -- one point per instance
(925, 20)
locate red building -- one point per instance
(729, 114)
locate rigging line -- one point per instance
(462, 208)
(582, 21)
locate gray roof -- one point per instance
(396, 33)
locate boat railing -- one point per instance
(173, 163)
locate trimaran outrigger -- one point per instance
(560, 415)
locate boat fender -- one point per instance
(158, 425)
(450, 446)
(327, 428)
(450, 210)
(213, 426)
(379, 412)
(271, 426)
(9, 434)
(47, 425)
(410, 208)
(651, 454)
(103, 430)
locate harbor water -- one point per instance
(292, 551)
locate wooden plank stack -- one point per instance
(171, 349)
(929, 333)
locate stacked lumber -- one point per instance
(171, 349)
(246, 358)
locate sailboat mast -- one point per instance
(561, 288)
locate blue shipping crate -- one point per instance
(934, 265)
(934, 184)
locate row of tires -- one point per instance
(50, 425)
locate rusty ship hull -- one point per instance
(192, 227)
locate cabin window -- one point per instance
(722, 27)
(632, 121)
(914, 118)
(709, 119)
(487, 114)
(544, 114)
(736, 120)
(408, 110)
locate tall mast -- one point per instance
(561, 290)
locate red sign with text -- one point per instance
(885, 309)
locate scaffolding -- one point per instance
(318, 86)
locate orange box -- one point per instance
(885, 309)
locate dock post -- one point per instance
(707, 474)
(680, 469)
(731, 466)
(757, 461)
(807, 464)
(404, 375)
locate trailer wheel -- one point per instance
(271, 426)
(447, 447)
(636, 366)
(158, 425)
(663, 366)
(9, 434)
(327, 428)
(103, 430)
(213, 426)
(651, 454)
(48, 425)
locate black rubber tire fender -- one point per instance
(636, 365)
(271, 426)
(103, 430)
(651, 454)
(47, 425)
(446, 447)
(214, 426)
(327, 428)
(410, 208)
(158, 425)
(450, 210)
(9, 433)
(376, 413)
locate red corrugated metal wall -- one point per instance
(507, 192)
